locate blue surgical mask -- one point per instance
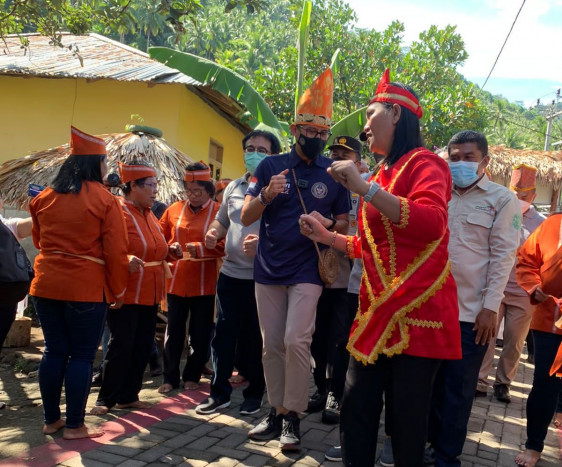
(253, 159)
(464, 173)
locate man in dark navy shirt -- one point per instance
(286, 266)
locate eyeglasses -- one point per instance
(314, 133)
(197, 192)
(152, 186)
(258, 149)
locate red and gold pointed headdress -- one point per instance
(201, 175)
(523, 178)
(128, 173)
(83, 144)
(315, 105)
(387, 92)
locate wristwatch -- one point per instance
(331, 226)
(374, 187)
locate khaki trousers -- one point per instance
(516, 311)
(287, 315)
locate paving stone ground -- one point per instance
(496, 434)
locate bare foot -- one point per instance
(84, 431)
(53, 427)
(237, 379)
(558, 420)
(135, 405)
(190, 385)
(528, 458)
(99, 410)
(165, 388)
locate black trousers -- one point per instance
(200, 311)
(132, 330)
(237, 328)
(455, 386)
(545, 392)
(407, 382)
(7, 317)
(334, 317)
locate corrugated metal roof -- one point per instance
(102, 58)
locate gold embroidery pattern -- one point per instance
(383, 298)
(404, 213)
(423, 323)
(392, 247)
(373, 246)
(349, 247)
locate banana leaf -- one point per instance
(222, 80)
(350, 125)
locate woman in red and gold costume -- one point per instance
(539, 273)
(191, 290)
(407, 321)
(132, 326)
(82, 265)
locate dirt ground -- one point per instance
(22, 418)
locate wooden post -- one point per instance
(554, 200)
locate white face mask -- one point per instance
(525, 206)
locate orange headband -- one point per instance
(129, 173)
(387, 92)
(202, 175)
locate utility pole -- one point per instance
(550, 118)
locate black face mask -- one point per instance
(311, 147)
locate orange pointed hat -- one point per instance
(130, 172)
(523, 178)
(388, 92)
(83, 144)
(315, 105)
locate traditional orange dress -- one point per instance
(408, 297)
(146, 241)
(197, 276)
(539, 261)
(67, 228)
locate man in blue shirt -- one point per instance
(288, 284)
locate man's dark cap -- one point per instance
(346, 142)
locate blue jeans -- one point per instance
(72, 333)
(544, 395)
(453, 394)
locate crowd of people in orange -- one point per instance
(388, 286)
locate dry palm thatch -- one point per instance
(41, 168)
(547, 163)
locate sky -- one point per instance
(530, 66)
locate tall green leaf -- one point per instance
(302, 43)
(350, 125)
(221, 79)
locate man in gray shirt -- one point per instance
(237, 317)
(515, 308)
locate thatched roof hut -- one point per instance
(40, 168)
(548, 164)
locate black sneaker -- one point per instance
(501, 391)
(211, 405)
(331, 413)
(291, 435)
(317, 402)
(250, 406)
(268, 428)
(97, 379)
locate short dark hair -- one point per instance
(469, 136)
(209, 186)
(76, 169)
(275, 146)
(126, 188)
(407, 133)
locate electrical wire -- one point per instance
(505, 42)
(525, 127)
